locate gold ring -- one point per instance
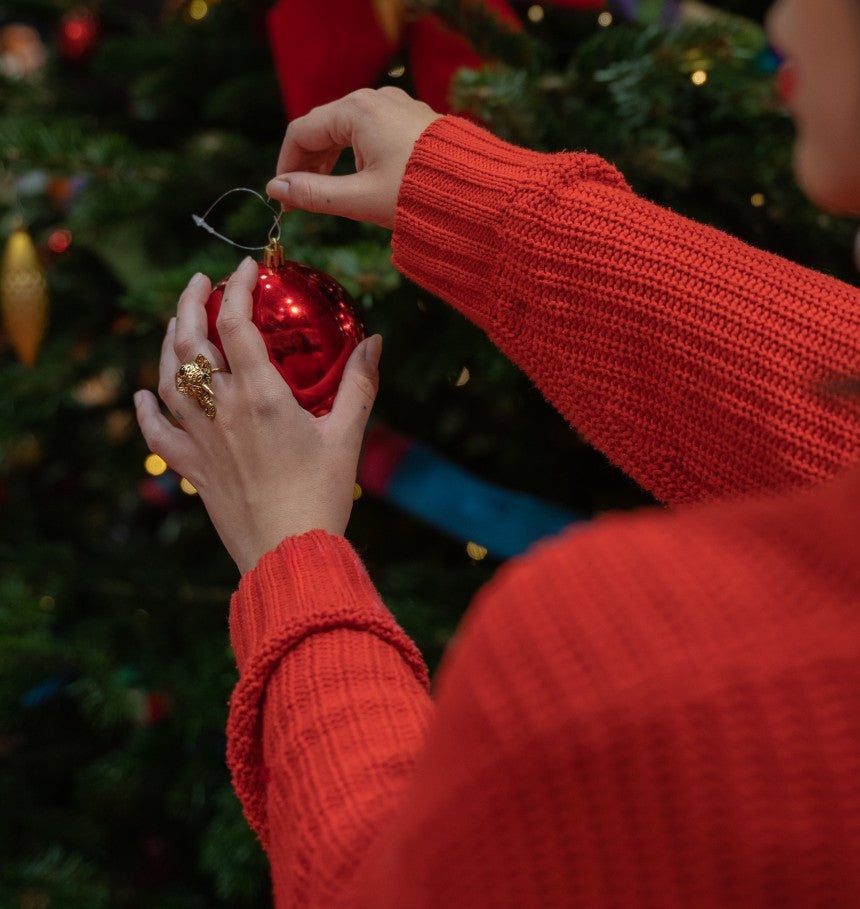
(192, 380)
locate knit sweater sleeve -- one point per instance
(328, 715)
(692, 360)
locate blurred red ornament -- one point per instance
(79, 34)
(59, 240)
(308, 321)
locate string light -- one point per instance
(356, 492)
(757, 200)
(198, 9)
(154, 465)
(463, 378)
(475, 551)
(604, 19)
(699, 77)
(535, 13)
(187, 488)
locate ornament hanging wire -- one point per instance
(274, 230)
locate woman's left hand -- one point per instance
(265, 468)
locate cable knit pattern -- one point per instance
(659, 712)
(692, 360)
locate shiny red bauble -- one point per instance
(309, 323)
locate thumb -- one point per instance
(350, 196)
(358, 387)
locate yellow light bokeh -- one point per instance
(154, 465)
(396, 71)
(535, 13)
(187, 488)
(605, 18)
(198, 9)
(699, 77)
(757, 200)
(356, 492)
(476, 551)
(463, 378)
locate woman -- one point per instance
(661, 711)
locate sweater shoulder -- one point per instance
(639, 598)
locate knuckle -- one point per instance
(183, 350)
(265, 403)
(304, 195)
(166, 387)
(363, 99)
(367, 387)
(229, 324)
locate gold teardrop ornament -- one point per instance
(23, 296)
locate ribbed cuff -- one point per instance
(458, 216)
(308, 579)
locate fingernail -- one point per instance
(248, 262)
(172, 323)
(373, 350)
(196, 279)
(138, 397)
(279, 185)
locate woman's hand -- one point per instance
(264, 467)
(381, 126)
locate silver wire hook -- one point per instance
(274, 230)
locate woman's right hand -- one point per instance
(381, 126)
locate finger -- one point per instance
(325, 129)
(353, 196)
(167, 368)
(358, 387)
(167, 441)
(192, 327)
(241, 339)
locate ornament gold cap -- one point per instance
(274, 256)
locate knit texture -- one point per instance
(660, 711)
(693, 361)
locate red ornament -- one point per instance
(79, 33)
(308, 321)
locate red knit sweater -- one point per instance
(660, 711)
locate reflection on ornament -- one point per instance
(22, 52)
(79, 32)
(309, 324)
(23, 296)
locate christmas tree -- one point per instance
(121, 121)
